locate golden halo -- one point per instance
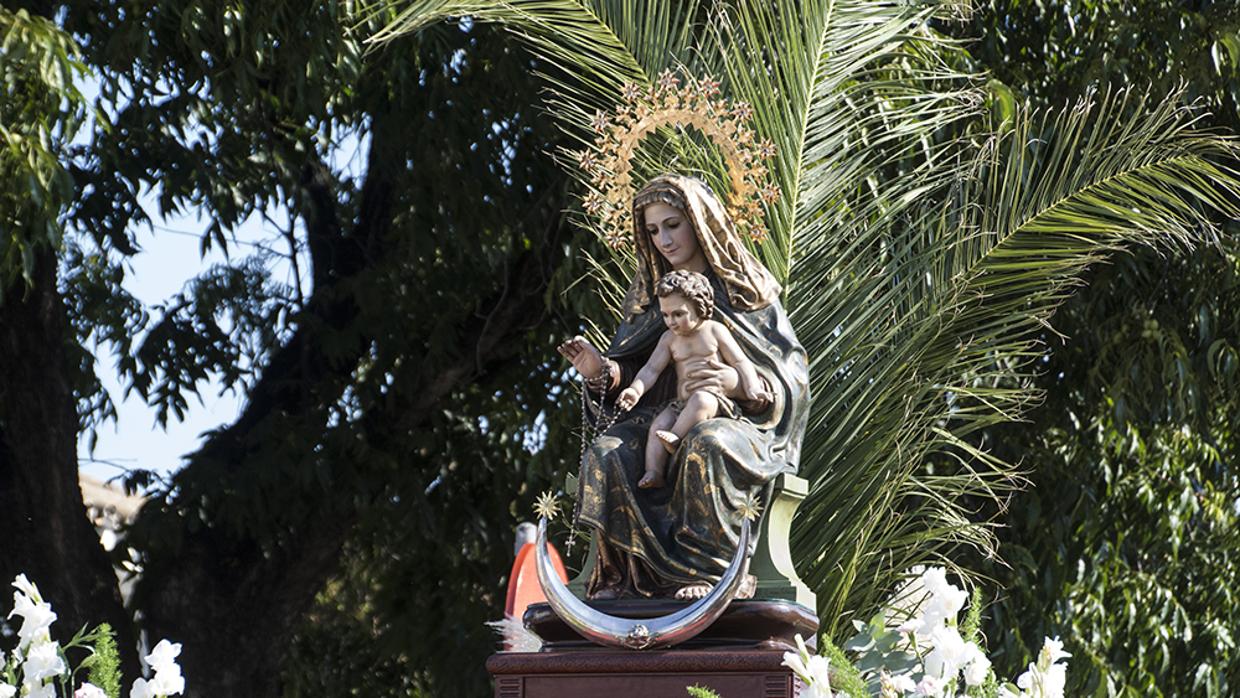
(698, 103)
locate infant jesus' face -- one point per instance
(679, 314)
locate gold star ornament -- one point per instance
(547, 505)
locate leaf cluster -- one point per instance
(1052, 52)
(1126, 545)
(1119, 546)
(103, 666)
(403, 383)
(41, 110)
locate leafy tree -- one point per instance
(1124, 545)
(392, 393)
(43, 519)
(1054, 51)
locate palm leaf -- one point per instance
(922, 248)
(592, 47)
(930, 343)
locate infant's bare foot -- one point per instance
(652, 479)
(669, 440)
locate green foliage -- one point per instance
(1054, 51)
(401, 388)
(924, 242)
(404, 406)
(41, 110)
(844, 676)
(879, 647)
(103, 666)
(701, 692)
(970, 627)
(1123, 545)
(1127, 544)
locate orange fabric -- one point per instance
(523, 587)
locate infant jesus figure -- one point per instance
(692, 339)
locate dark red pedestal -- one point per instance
(605, 673)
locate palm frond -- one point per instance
(928, 341)
(922, 249)
(838, 87)
(592, 48)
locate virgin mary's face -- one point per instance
(672, 235)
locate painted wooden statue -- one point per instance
(673, 533)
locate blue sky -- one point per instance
(170, 258)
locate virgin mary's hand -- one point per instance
(584, 356)
(715, 375)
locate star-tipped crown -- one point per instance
(697, 103)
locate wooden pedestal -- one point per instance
(627, 674)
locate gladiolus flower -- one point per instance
(141, 689)
(168, 680)
(814, 670)
(43, 662)
(36, 616)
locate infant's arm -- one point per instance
(750, 384)
(648, 374)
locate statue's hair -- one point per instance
(693, 286)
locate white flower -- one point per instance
(794, 662)
(141, 689)
(89, 690)
(947, 655)
(929, 601)
(1026, 680)
(164, 655)
(819, 671)
(902, 683)
(908, 596)
(1052, 651)
(7, 691)
(814, 670)
(1045, 678)
(45, 691)
(168, 681)
(27, 588)
(43, 662)
(163, 660)
(945, 599)
(36, 616)
(978, 666)
(929, 686)
(1054, 681)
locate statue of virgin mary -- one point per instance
(676, 540)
